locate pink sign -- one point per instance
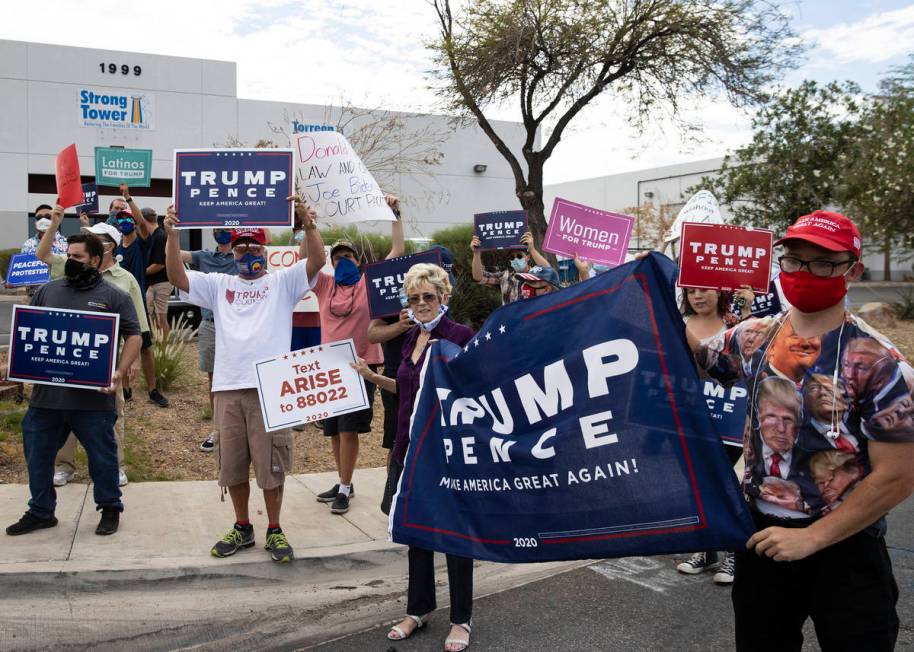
(594, 235)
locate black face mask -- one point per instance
(79, 275)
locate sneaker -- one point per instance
(30, 523)
(109, 521)
(340, 504)
(697, 563)
(278, 545)
(156, 397)
(62, 476)
(128, 394)
(235, 539)
(724, 574)
(122, 478)
(209, 443)
(330, 495)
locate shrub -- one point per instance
(904, 307)
(168, 352)
(5, 255)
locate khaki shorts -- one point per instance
(241, 442)
(157, 298)
(206, 345)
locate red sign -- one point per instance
(69, 186)
(724, 257)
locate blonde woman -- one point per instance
(427, 291)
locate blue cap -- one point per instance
(541, 274)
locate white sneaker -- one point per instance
(62, 476)
(724, 575)
(121, 478)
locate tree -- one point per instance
(800, 143)
(554, 57)
(651, 223)
(879, 170)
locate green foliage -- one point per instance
(11, 415)
(5, 255)
(904, 307)
(800, 143)
(471, 303)
(168, 352)
(281, 238)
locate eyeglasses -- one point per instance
(427, 297)
(245, 248)
(820, 268)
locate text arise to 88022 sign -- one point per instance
(310, 384)
(724, 257)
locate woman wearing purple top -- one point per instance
(427, 289)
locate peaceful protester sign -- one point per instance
(227, 188)
(335, 181)
(500, 229)
(26, 270)
(384, 280)
(527, 447)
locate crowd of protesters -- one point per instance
(828, 442)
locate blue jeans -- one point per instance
(44, 431)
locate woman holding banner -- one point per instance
(427, 290)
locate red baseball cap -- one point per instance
(828, 230)
(257, 235)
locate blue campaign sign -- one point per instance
(53, 346)
(501, 229)
(764, 305)
(536, 442)
(216, 188)
(384, 279)
(728, 407)
(90, 200)
(26, 269)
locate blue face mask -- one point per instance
(519, 264)
(250, 265)
(298, 237)
(346, 272)
(113, 213)
(125, 226)
(599, 269)
(222, 237)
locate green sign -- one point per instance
(114, 166)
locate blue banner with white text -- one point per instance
(26, 269)
(538, 441)
(226, 188)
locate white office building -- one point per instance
(52, 96)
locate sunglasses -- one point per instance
(427, 297)
(245, 248)
(516, 256)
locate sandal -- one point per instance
(457, 641)
(397, 634)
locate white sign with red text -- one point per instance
(281, 256)
(310, 385)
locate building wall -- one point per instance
(196, 105)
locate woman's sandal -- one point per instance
(397, 634)
(457, 641)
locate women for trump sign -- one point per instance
(592, 234)
(528, 447)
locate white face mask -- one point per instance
(428, 326)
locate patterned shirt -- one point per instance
(507, 281)
(806, 444)
(58, 247)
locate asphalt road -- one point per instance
(633, 604)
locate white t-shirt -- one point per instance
(253, 319)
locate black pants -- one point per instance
(420, 597)
(847, 589)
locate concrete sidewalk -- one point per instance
(168, 526)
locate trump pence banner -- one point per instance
(26, 269)
(335, 181)
(310, 385)
(535, 442)
(594, 235)
(227, 188)
(384, 280)
(53, 346)
(90, 200)
(500, 229)
(725, 257)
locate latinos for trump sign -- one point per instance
(384, 280)
(53, 346)
(527, 447)
(116, 165)
(309, 385)
(226, 188)
(26, 269)
(334, 180)
(501, 229)
(724, 257)
(594, 235)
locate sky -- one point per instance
(371, 52)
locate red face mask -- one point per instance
(810, 293)
(527, 291)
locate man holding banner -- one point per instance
(344, 309)
(253, 320)
(90, 414)
(831, 529)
